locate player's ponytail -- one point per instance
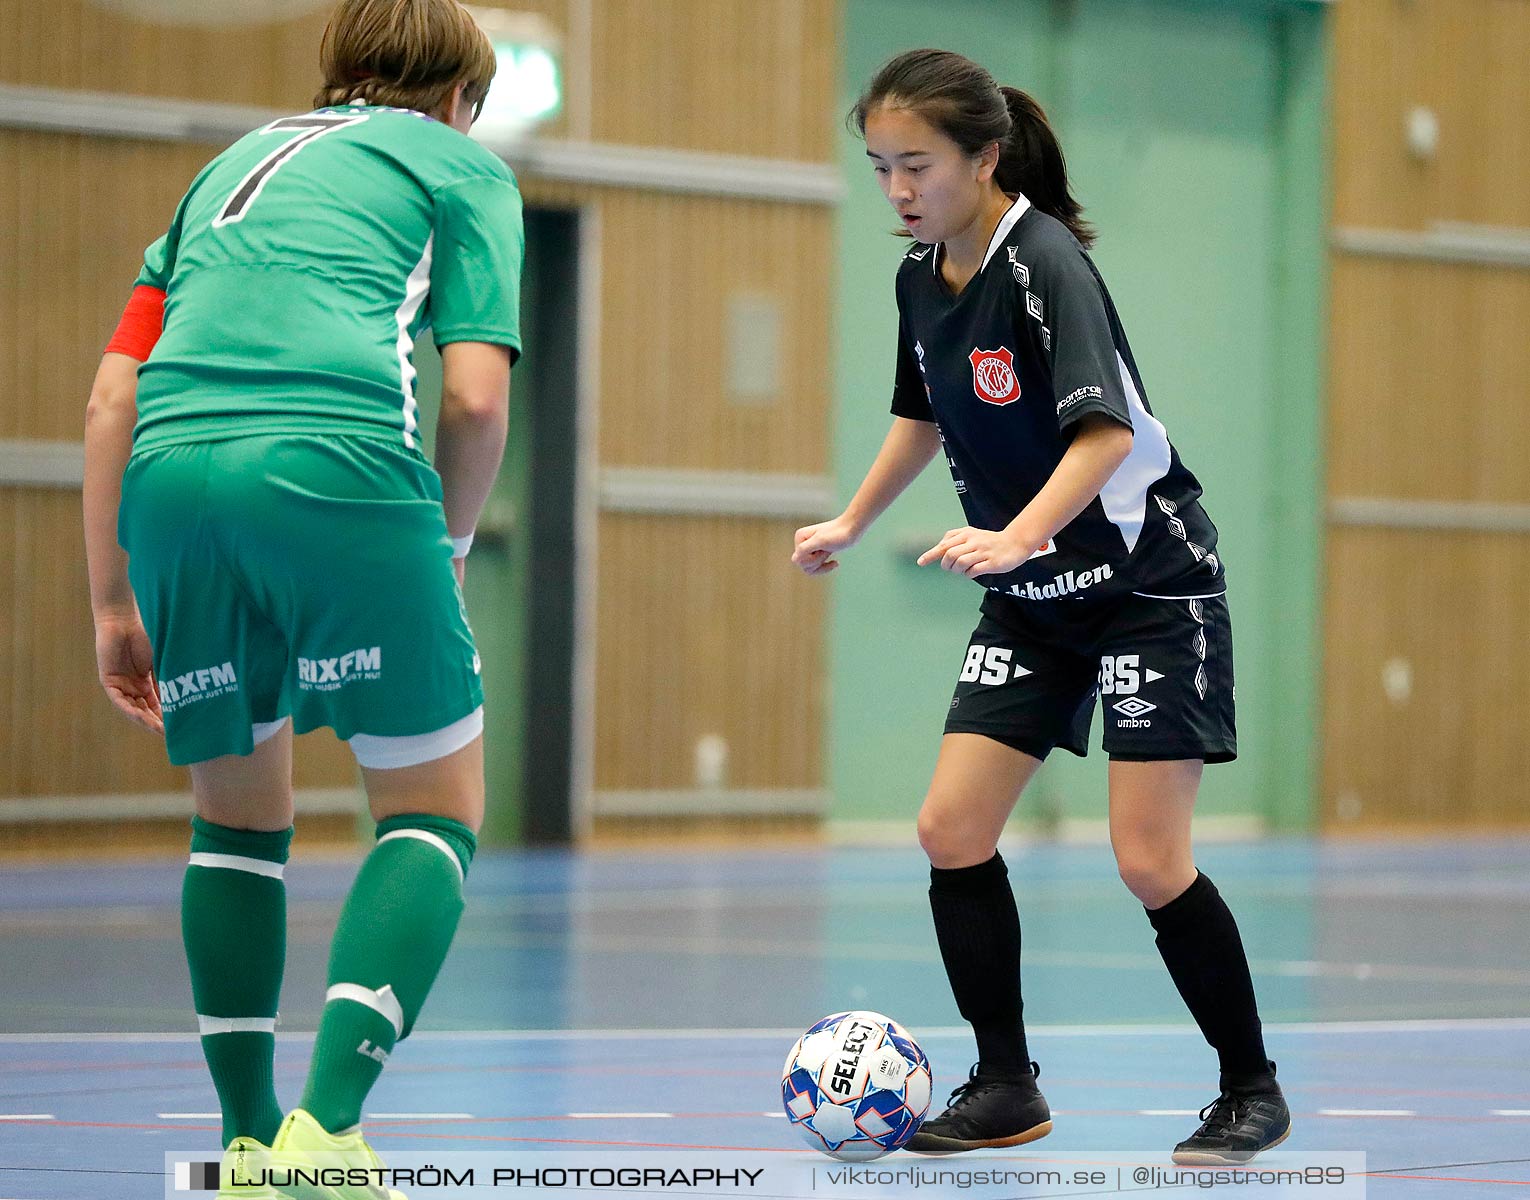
(961, 99)
(1031, 162)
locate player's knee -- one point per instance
(259, 804)
(462, 807)
(931, 832)
(455, 840)
(451, 787)
(1153, 876)
(947, 842)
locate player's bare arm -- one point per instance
(123, 658)
(906, 451)
(470, 437)
(1098, 449)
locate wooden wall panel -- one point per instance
(1445, 613)
(726, 76)
(664, 304)
(76, 44)
(705, 627)
(1464, 59)
(755, 77)
(1430, 375)
(717, 76)
(75, 216)
(61, 736)
(1429, 368)
(79, 45)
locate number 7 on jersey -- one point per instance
(313, 127)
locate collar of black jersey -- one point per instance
(1012, 214)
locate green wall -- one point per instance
(1194, 137)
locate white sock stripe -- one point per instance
(436, 840)
(382, 1000)
(238, 862)
(209, 1025)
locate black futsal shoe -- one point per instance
(1249, 1117)
(993, 1108)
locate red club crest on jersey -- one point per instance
(993, 376)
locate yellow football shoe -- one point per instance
(240, 1177)
(305, 1156)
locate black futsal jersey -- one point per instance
(1006, 370)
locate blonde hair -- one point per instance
(404, 54)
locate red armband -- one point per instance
(143, 320)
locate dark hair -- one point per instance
(961, 99)
(404, 54)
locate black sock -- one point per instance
(1199, 942)
(978, 929)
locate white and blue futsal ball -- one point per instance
(856, 1086)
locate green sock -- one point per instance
(396, 927)
(234, 925)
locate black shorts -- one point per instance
(1162, 668)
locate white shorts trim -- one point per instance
(210, 1025)
(238, 862)
(388, 752)
(424, 835)
(1203, 596)
(382, 1000)
(264, 731)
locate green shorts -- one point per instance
(300, 576)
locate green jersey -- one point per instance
(306, 259)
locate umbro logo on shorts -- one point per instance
(1133, 710)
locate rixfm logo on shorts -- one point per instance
(331, 674)
(177, 691)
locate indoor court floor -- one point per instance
(644, 1000)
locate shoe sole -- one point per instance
(931, 1143)
(1209, 1158)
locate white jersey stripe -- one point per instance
(1006, 223)
(1124, 496)
(415, 292)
